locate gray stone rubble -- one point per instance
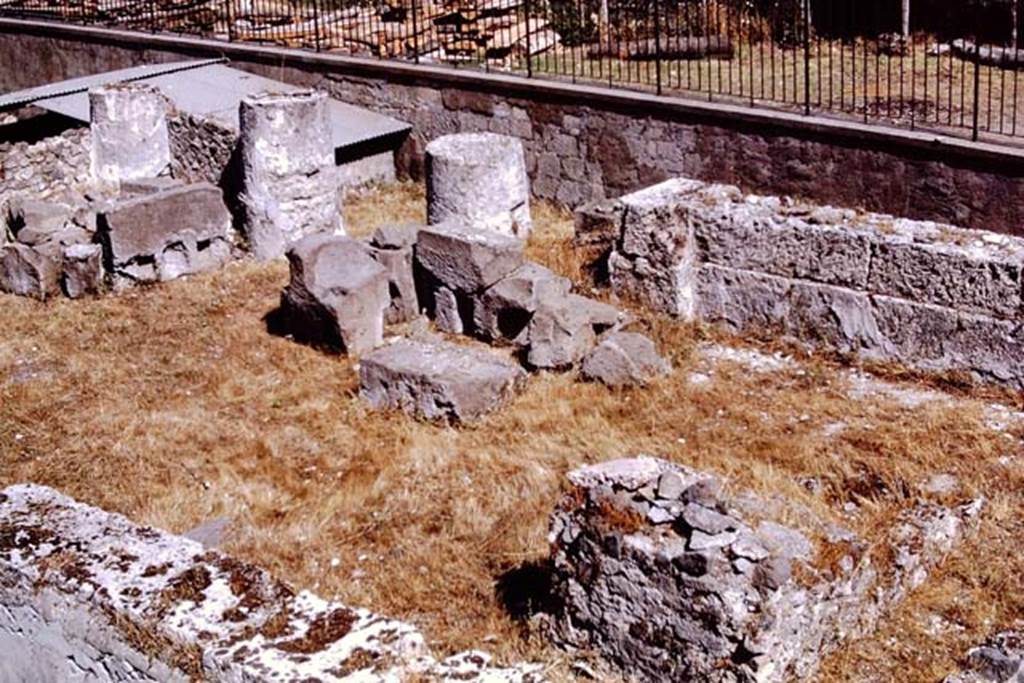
(669, 577)
(438, 380)
(290, 189)
(624, 359)
(480, 179)
(929, 296)
(999, 660)
(87, 595)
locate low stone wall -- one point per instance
(672, 577)
(87, 595)
(926, 295)
(49, 169)
(586, 142)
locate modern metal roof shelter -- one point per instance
(211, 89)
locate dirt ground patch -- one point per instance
(173, 405)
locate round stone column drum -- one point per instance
(479, 179)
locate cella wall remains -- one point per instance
(88, 596)
(926, 295)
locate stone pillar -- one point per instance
(479, 179)
(289, 181)
(129, 133)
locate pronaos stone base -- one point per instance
(670, 578)
(88, 596)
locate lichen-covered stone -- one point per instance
(670, 578)
(438, 380)
(478, 179)
(623, 359)
(336, 295)
(289, 178)
(87, 595)
(999, 660)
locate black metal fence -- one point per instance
(949, 65)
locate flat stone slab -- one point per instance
(88, 595)
(438, 380)
(465, 258)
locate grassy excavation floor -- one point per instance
(173, 405)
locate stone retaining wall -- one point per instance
(88, 596)
(587, 142)
(48, 169)
(926, 295)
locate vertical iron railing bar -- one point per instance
(807, 57)
(657, 48)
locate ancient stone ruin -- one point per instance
(479, 179)
(129, 133)
(89, 595)
(928, 296)
(288, 175)
(670, 576)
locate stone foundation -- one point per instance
(88, 596)
(926, 295)
(672, 578)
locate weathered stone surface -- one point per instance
(437, 380)
(337, 294)
(33, 222)
(82, 270)
(132, 603)
(624, 359)
(598, 223)
(655, 260)
(392, 247)
(288, 172)
(138, 187)
(770, 235)
(561, 333)
(999, 660)
(129, 132)
(30, 271)
(448, 307)
(701, 592)
(504, 310)
(970, 271)
(466, 259)
(166, 234)
(478, 179)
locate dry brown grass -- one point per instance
(174, 405)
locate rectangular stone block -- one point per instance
(438, 380)
(30, 271)
(970, 271)
(465, 258)
(760, 234)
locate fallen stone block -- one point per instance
(561, 333)
(166, 234)
(82, 270)
(34, 222)
(290, 184)
(624, 359)
(656, 259)
(392, 247)
(502, 313)
(30, 271)
(129, 132)
(478, 179)
(438, 380)
(139, 187)
(466, 259)
(337, 294)
(670, 578)
(87, 595)
(999, 660)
